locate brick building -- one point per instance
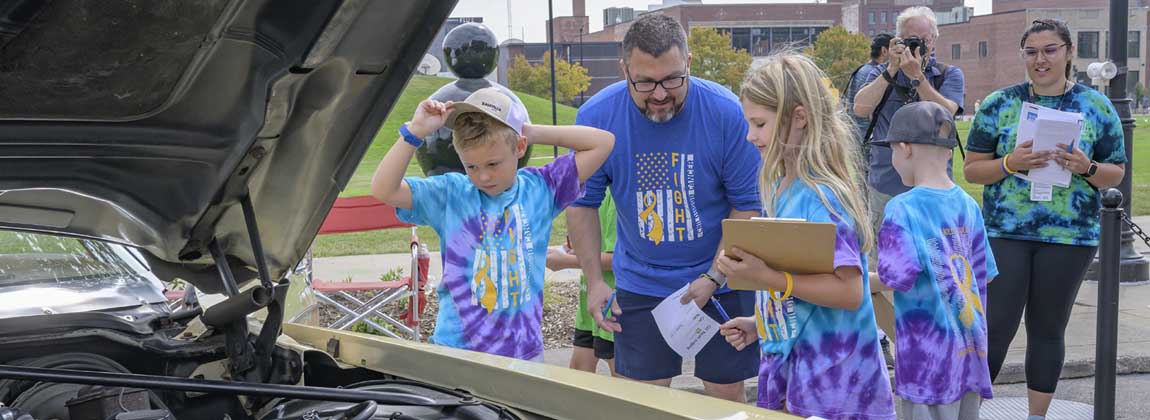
(873, 17)
(569, 28)
(987, 47)
(757, 28)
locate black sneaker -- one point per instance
(886, 354)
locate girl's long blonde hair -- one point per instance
(828, 155)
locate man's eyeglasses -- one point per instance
(1047, 51)
(667, 84)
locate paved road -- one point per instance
(1132, 401)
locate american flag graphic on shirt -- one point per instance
(666, 197)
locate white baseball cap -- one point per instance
(495, 103)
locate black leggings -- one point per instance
(1043, 279)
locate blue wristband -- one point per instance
(408, 137)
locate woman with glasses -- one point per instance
(1043, 246)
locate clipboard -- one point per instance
(791, 245)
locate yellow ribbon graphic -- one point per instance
(490, 295)
(655, 234)
(965, 283)
(760, 326)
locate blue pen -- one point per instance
(610, 301)
(722, 312)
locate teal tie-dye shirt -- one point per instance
(1071, 218)
(822, 361)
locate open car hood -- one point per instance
(144, 122)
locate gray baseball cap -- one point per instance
(922, 122)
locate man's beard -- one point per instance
(664, 116)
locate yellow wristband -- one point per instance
(1006, 164)
(787, 293)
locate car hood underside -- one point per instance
(147, 122)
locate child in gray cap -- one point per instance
(934, 253)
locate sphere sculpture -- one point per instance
(472, 53)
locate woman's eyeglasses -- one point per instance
(1047, 51)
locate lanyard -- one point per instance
(1062, 104)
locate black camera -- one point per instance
(917, 46)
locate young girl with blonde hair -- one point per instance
(819, 343)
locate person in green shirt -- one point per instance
(592, 344)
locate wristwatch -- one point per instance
(915, 82)
(716, 277)
(1093, 169)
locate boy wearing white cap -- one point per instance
(495, 221)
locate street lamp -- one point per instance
(581, 62)
(1101, 73)
(551, 47)
(1135, 267)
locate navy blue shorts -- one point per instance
(642, 354)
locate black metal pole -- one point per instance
(1135, 268)
(581, 99)
(1106, 351)
(257, 242)
(129, 380)
(231, 288)
(551, 46)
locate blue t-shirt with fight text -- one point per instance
(673, 183)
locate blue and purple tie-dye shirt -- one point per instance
(1071, 218)
(822, 361)
(933, 251)
(494, 254)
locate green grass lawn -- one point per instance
(420, 87)
(395, 240)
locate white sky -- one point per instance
(529, 17)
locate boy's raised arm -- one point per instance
(387, 185)
(591, 145)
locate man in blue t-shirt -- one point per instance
(681, 165)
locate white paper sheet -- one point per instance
(1041, 192)
(1047, 127)
(1048, 135)
(686, 328)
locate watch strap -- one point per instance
(1093, 169)
(714, 275)
(409, 137)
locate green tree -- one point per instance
(1139, 93)
(570, 78)
(839, 53)
(523, 77)
(714, 59)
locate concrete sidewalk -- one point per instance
(1133, 328)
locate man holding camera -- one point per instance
(911, 75)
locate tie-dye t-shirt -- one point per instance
(822, 361)
(934, 252)
(1071, 218)
(494, 254)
